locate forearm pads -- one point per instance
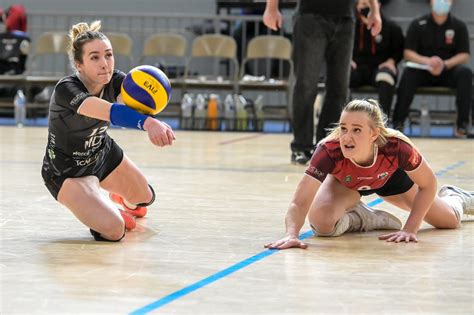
(121, 115)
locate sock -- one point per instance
(456, 204)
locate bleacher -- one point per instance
(133, 35)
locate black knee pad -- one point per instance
(99, 237)
(146, 204)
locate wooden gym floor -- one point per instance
(221, 197)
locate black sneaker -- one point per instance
(300, 157)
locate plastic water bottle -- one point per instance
(229, 112)
(260, 115)
(200, 113)
(241, 112)
(186, 111)
(20, 108)
(425, 121)
(212, 112)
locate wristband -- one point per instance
(121, 115)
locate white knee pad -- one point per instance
(385, 77)
(342, 225)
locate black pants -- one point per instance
(459, 78)
(365, 75)
(317, 39)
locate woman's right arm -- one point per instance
(159, 133)
(296, 214)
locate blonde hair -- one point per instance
(378, 120)
(80, 34)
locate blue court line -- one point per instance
(244, 263)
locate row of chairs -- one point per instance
(210, 65)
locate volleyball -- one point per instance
(146, 89)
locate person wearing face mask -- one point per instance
(375, 58)
(440, 41)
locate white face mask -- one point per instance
(441, 7)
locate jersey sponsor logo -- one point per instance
(414, 159)
(348, 178)
(313, 170)
(364, 177)
(90, 160)
(449, 37)
(77, 98)
(382, 175)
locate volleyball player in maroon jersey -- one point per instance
(361, 157)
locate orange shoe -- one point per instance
(139, 212)
(129, 220)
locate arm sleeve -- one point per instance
(70, 95)
(321, 164)
(408, 157)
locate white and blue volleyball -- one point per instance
(146, 89)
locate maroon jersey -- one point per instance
(396, 154)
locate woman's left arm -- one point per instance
(425, 179)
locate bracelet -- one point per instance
(124, 116)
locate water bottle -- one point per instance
(212, 112)
(186, 111)
(200, 113)
(229, 112)
(425, 122)
(241, 112)
(260, 115)
(20, 108)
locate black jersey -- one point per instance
(430, 39)
(333, 8)
(77, 144)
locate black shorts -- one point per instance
(397, 184)
(113, 158)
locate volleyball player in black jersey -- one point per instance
(80, 156)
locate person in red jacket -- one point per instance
(14, 18)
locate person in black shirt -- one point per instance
(80, 156)
(322, 31)
(439, 41)
(375, 58)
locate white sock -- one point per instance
(456, 203)
(129, 205)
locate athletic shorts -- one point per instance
(113, 159)
(397, 184)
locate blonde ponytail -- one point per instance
(80, 34)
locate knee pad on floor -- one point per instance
(146, 204)
(99, 237)
(342, 225)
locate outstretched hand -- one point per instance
(287, 242)
(399, 236)
(159, 132)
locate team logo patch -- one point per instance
(449, 37)
(382, 175)
(348, 178)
